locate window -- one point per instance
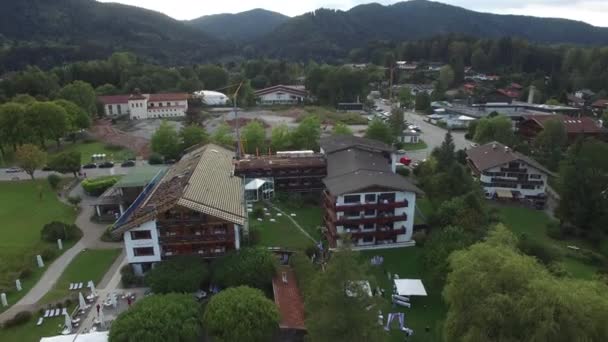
(143, 251)
(168, 104)
(529, 187)
(368, 239)
(368, 226)
(370, 212)
(370, 198)
(352, 213)
(536, 176)
(141, 235)
(151, 104)
(352, 199)
(160, 104)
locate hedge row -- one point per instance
(97, 186)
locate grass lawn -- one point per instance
(425, 312)
(87, 149)
(424, 205)
(533, 223)
(29, 332)
(281, 233)
(25, 207)
(420, 145)
(308, 217)
(91, 264)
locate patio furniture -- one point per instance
(47, 313)
(40, 320)
(72, 286)
(64, 311)
(57, 312)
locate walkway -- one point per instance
(91, 234)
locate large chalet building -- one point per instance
(281, 95)
(364, 198)
(576, 127)
(196, 207)
(145, 106)
(506, 174)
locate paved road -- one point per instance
(432, 135)
(90, 239)
(117, 170)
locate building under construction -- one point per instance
(294, 171)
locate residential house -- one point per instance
(145, 106)
(600, 106)
(585, 94)
(364, 197)
(196, 207)
(281, 95)
(409, 136)
(584, 127)
(506, 174)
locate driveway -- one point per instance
(91, 173)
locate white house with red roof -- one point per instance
(281, 95)
(146, 106)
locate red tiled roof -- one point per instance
(289, 300)
(600, 103)
(169, 97)
(113, 99)
(512, 93)
(583, 124)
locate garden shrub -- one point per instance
(53, 180)
(180, 274)
(97, 186)
(311, 250)
(419, 237)
(545, 253)
(19, 319)
(258, 212)
(250, 266)
(113, 147)
(558, 270)
(48, 254)
(128, 277)
(554, 230)
(405, 172)
(155, 159)
(59, 230)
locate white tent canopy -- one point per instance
(255, 184)
(90, 337)
(410, 287)
(466, 118)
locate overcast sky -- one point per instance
(594, 12)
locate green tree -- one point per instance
(605, 119)
(29, 158)
(253, 267)
(213, 76)
(13, 128)
(498, 128)
(446, 77)
(46, 120)
(193, 135)
(82, 94)
(159, 318)
(438, 247)
(551, 143)
(396, 123)
(553, 102)
(184, 274)
(326, 299)
(254, 136)
(480, 60)
(106, 89)
(494, 293)
(583, 185)
(463, 210)
(423, 101)
(165, 141)
(445, 154)
(341, 129)
(241, 314)
(280, 138)
(54, 181)
(378, 130)
(405, 97)
(66, 162)
(77, 118)
(223, 136)
(306, 136)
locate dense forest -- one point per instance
(51, 33)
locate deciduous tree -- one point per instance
(29, 157)
(306, 136)
(82, 94)
(46, 120)
(253, 267)
(254, 136)
(192, 135)
(223, 136)
(241, 314)
(551, 143)
(159, 318)
(378, 130)
(341, 129)
(13, 128)
(280, 139)
(165, 141)
(498, 128)
(185, 274)
(66, 162)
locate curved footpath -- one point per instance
(91, 234)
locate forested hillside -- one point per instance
(239, 27)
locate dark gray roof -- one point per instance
(354, 169)
(494, 154)
(360, 180)
(342, 142)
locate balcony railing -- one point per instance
(203, 238)
(365, 220)
(372, 205)
(378, 233)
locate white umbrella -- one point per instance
(81, 302)
(68, 322)
(113, 300)
(101, 318)
(93, 289)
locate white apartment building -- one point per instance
(145, 106)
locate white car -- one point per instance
(14, 170)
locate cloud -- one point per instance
(591, 11)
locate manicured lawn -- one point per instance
(88, 149)
(308, 217)
(533, 223)
(281, 233)
(91, 264)
(420, 145)
(425, 206)
(25, 207)
(425, 312)
(29, 332)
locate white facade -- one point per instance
(280, 97)
(511, 182)
(116, 109)
(142, 250)
(146, 106)
(407, 213)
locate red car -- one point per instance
(405, 161)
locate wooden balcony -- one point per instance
(202, 238)
(379, 234)
(372, 206)
(344, 220)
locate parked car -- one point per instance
(89, 166)
(414, 128)
(13, 170)
(106, 165)
(405, 161)
(128, 163)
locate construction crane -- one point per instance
(239, 144)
